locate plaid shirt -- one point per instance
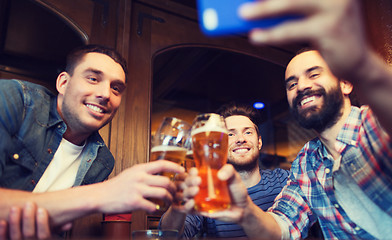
(366, 152)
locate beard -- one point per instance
(248, 166)
(321, 118)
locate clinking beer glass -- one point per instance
(210, 149)
(171, 142)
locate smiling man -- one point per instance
(262, 185)
(337, 177)
(52, 158)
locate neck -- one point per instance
(329, 135)
(76, 139)
(250, 178)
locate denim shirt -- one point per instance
(31, 130)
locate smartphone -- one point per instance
(220, 17)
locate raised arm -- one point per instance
(335, 28)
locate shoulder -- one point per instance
(25, 90)
(277, 173)
(270, 179)
(308, 153)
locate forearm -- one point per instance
(62, 206)
(173, 219)
(373, 78)
(258, 224)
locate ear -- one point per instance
(346, 87)
(61, 82)
(260, 143)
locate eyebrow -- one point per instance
(92, 70)
(245, 128)
(307, 71)
(99, 72)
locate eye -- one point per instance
(92, 79)
(117, 88)
(314, 75)
(291, 85)
(248, 132)
(231, 134)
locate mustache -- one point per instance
(307, 92)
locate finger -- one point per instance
(189, 206)
(193, 172)
(43, 228)
(28, 222)
(157, 181)
(14, 221)
(296, 31)
(158, 193)
(269, 8)
(163, 166)
(190, 192)
(193, 179)
(3, 230)
(66, 227)
(226, 172)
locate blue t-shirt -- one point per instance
(262, 194)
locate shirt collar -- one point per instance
(349, 133)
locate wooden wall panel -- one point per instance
(80, 18)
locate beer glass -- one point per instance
(155, 234)
(170, 143)
(210, 149)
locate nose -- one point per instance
(240, 139)
(103, 91)
(303, 84)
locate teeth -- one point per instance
(241, 150)
(94, 108)
(308, 99)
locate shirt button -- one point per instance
(32, 182)
(327, 170)
(336, 205)
(353, 167)
(16, 156)
(49, 151)
(357, 228)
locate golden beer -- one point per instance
(171, 153)
(210, 148)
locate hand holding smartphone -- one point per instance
(220, 17)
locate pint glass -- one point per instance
(210, 149)
(170, 143)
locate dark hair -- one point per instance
(76, 55)
(233, 108)
(305, 49)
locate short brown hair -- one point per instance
(76, 55)
(233, 108)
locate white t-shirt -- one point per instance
(62, 170)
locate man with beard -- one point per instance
(337, 177)
(262, 186)
(52, 159)
(343, 177)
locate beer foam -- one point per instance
(207, 128)
(167, 148)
